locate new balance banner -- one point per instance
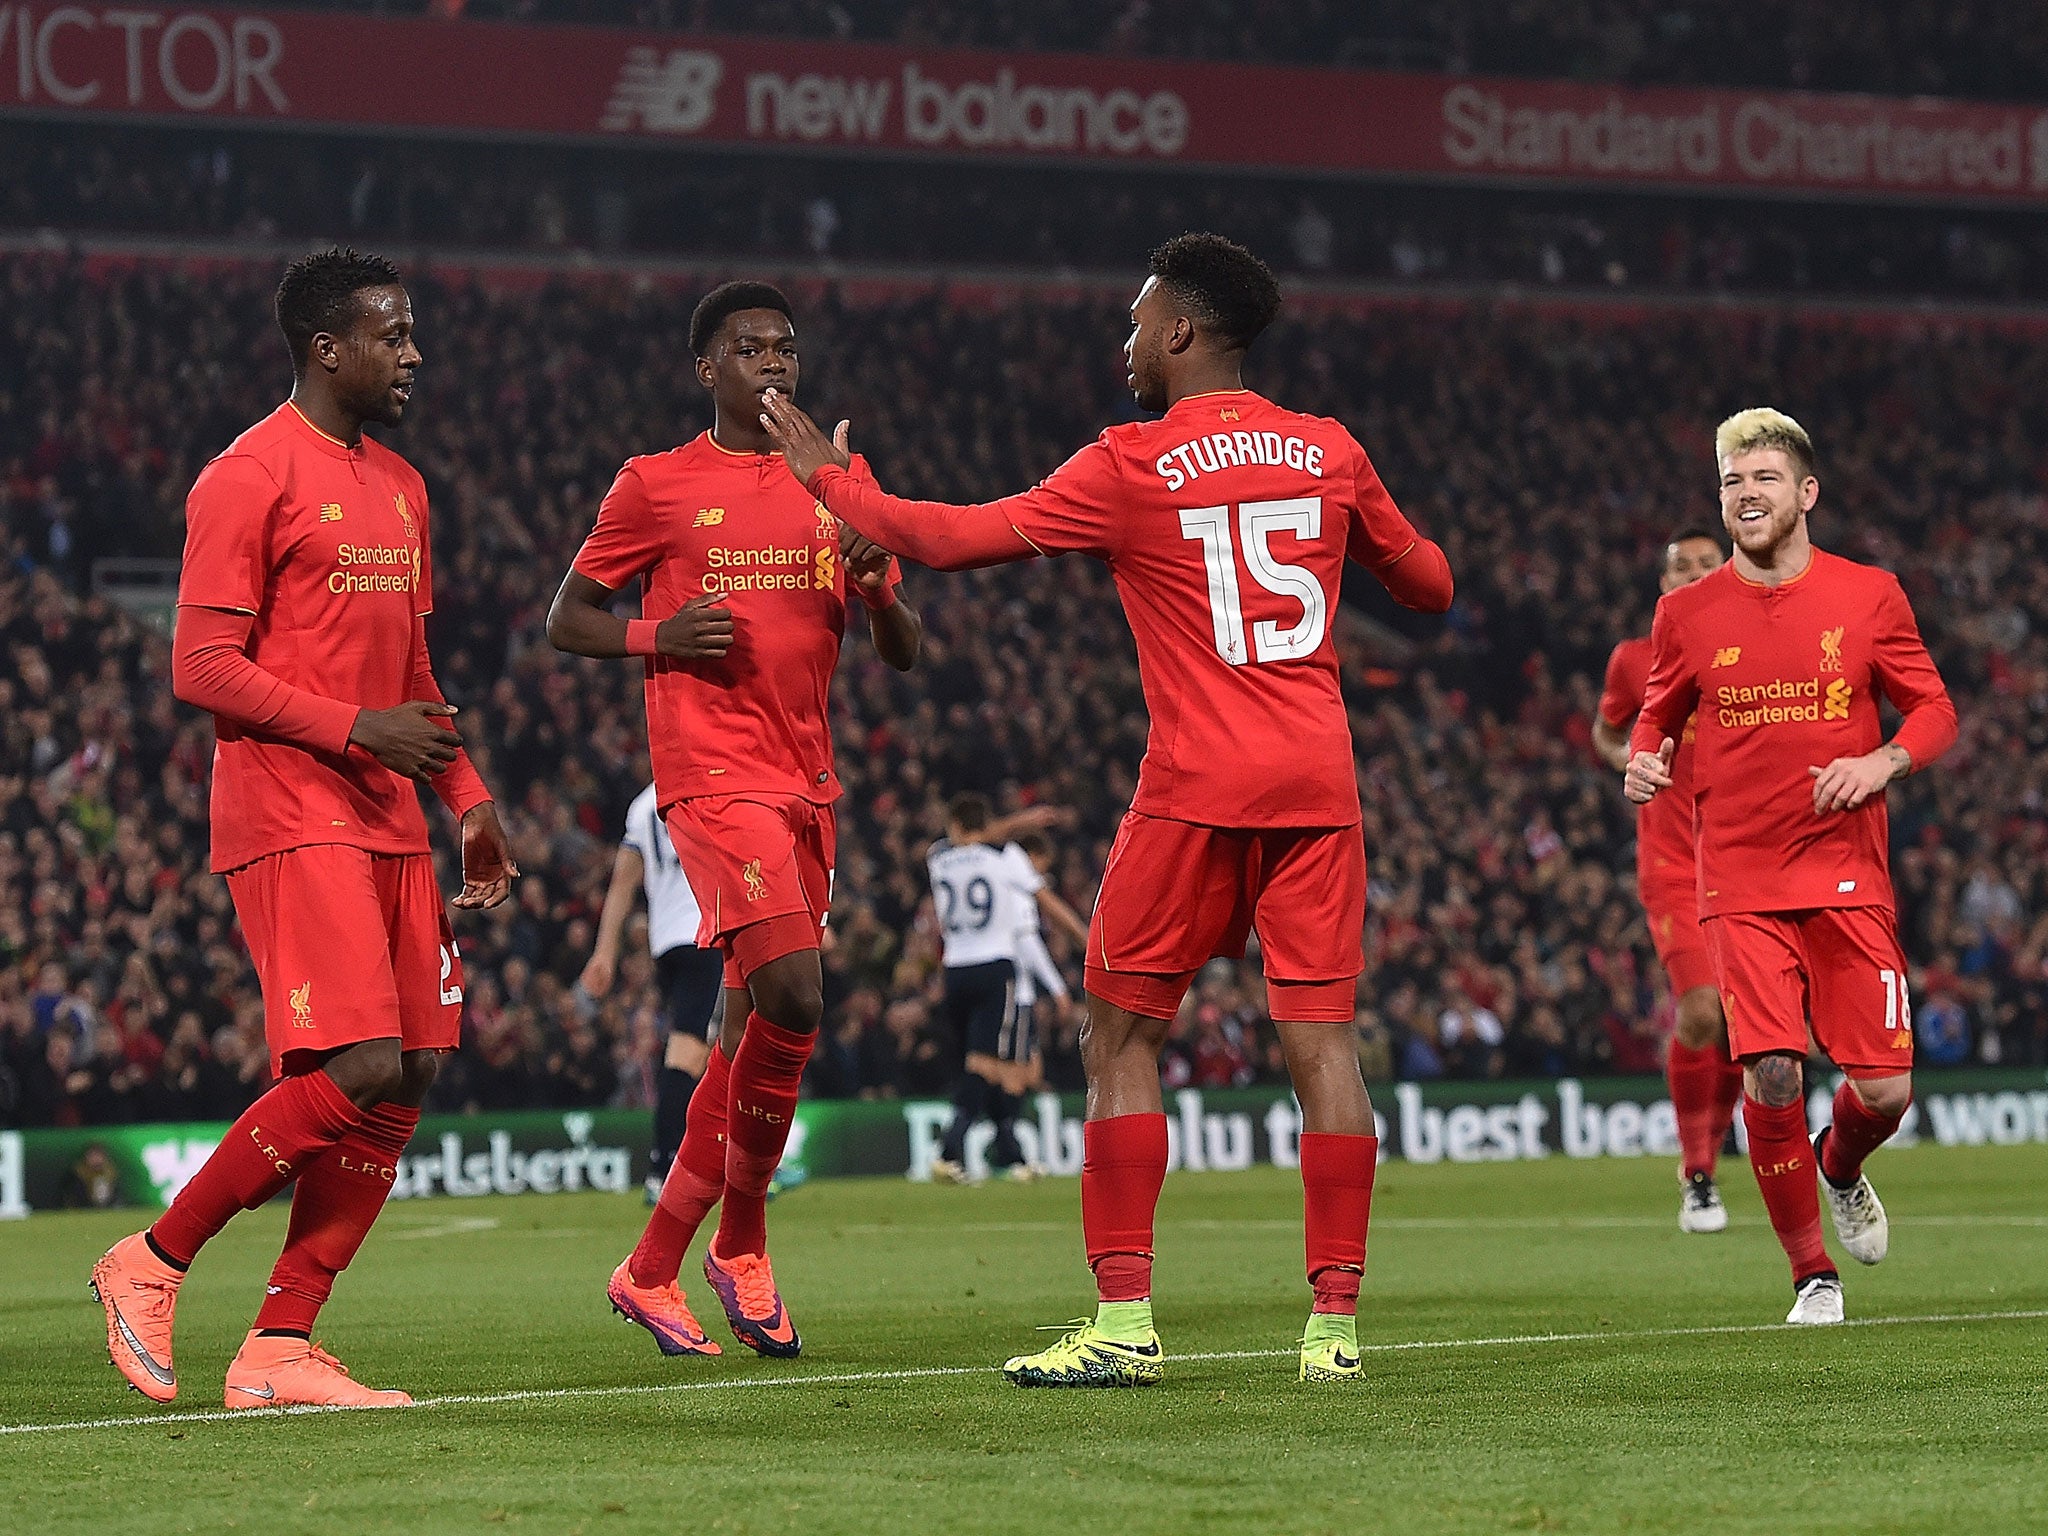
(551, 1152)
(305, 68)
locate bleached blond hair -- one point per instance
(1762, 427)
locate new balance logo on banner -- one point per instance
(678, 94)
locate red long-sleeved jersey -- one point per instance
(1226, 525)
(1784, 680)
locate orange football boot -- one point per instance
(140, 1292)
(746, 1286)
(663, 1311)
(286, 1371)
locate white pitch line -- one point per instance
(849, 1378)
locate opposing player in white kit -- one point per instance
(983, 890)
(687, 975)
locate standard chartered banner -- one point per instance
(547, 1152)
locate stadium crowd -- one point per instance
(1551, 449)
(213, 184)
(1905, 47)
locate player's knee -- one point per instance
(788, 998)
(1884, 1096)
(369, 1072)
(1778, 1080)
(416, 1074)
(1699, 1022)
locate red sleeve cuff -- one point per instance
(328, 722)
(460, 787)
(1926, 733)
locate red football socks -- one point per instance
(695, 1182)
(334, 1205)
(1704, 1087)
(765, 1073)
(1336, 1188)
(276, 1137)
(1855, 1134)
(1783, 1159)
(1123, 1165)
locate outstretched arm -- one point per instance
(934, 533)
(1063, 917)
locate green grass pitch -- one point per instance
(1545, 1352)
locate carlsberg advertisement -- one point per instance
(540, 1152)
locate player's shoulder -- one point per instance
(1717, 587)
(692, 457)
(942, 846)
(262, 448)
(1633, 651)
(1843, 574)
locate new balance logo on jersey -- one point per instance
(708, 517)
(678, 94)
(330, 511)
(1727, 656)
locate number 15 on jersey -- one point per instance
(1256, 522)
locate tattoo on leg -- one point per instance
(1778, 1080)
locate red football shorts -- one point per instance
(1176, 895)
(1839, 967)
(760, 867)
(1681, 942)
(349, 946)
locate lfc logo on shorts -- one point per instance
(757, 888)
(1831, 649)
(302, 1005)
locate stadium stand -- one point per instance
(1939, 47)
(553, 201)
(1550, 447)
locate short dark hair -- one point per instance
(318, 293)
(1684, 536)
(1036, 845)
(727, 300)
(1228, 288)
(970, 812)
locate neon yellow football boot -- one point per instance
(1085, 1356)
(1329, 1348)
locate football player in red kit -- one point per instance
(1778, 659)
(1705, 1080)
(1226, 525)
(302, 627)
(746, 583)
